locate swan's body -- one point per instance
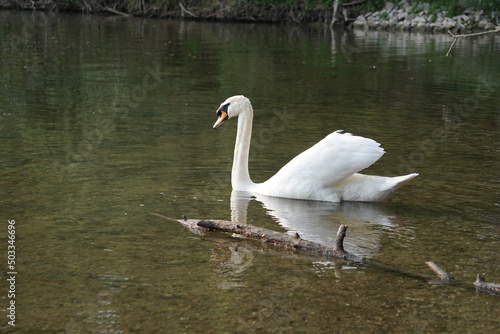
(328, 171)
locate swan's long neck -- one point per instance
(240, 178)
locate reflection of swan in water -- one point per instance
(319, 221)
(240, 260)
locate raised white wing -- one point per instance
(336, 157)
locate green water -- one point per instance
(105, 119)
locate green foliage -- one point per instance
(370, 6)
(454, 8)
(377, 4)
(290, 4)
(486, 5)
(413, 9)
(266, 4)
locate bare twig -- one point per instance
(444, 277)
(294, 19)
(352, 3)
(451, 47)
(184, 10)
(117, 12)
(334, 15)
(339, 239)
(86, 5)
(475, 33)
(190, 224)
(456, 37)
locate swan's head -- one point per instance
(232, 107)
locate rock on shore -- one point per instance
(423, 17)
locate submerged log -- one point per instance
(270, 236)
(443, 276)
(482, 285)
(284, 239)
(296, 242)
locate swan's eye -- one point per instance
(224, 108)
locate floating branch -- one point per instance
(482, 285)
(443, 276)
(456, 37)
(283, 239)
(270, 236)
(200, 227)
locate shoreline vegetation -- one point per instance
(461, 16)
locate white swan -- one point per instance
(325, 172)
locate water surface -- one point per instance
(105, 119)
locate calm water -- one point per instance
(103, 120)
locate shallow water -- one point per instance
(106, 119)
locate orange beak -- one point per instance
(222, 117)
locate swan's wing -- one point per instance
(337, 156)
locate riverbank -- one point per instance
(423, 17)
(405, 15)
(224, 10)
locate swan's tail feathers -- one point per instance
(390, 185)
(396, 182)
